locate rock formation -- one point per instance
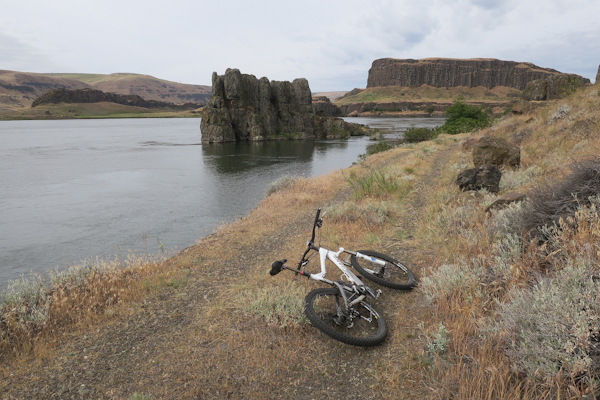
(323, 106)
(244, 108)
(496, 151)
(598, 76)
(440, 72)
(483, 177)
(553, 87)
(63, 95)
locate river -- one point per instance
(74, 189)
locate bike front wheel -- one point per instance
(393, 274)
(361, 325)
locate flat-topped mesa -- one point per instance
(444, 72)
(244, 108)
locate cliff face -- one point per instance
(439, 72)
(244, 108)
(63, 95)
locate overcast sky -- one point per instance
(332, 43)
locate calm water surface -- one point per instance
(75, 189)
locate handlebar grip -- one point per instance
(277, 267)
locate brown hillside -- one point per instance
(18, 90)
(151, 88)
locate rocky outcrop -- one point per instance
(441, 72)
(598, 76)
(482, 177)
(554, 87)
(244, 108)
(522, 107)
(63, 95)
(323, 106)
(496, 151)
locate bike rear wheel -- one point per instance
(361, 326)
(393, 274)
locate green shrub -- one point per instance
(413, 134)
(378, 183)
(464, 118)
(374, 149)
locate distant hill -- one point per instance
(18, 90)
(332, 96)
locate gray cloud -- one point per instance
(18, 56)
(331, 43)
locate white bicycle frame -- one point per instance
(334, 257)
(325, 254)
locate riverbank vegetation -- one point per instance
(389, 94)
(506, 308)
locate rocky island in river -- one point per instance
(244, 108)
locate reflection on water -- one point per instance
(84, 188)
(235, 157)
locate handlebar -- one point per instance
(279, 266)
(318, 223)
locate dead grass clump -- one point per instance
(548, 204)
(280, 183)
(281, 304)
(33, 308)
(370, 213)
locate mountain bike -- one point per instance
(342, 311)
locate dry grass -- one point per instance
(487, 284)
(35, 311)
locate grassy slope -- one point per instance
(188, 330)
(388, 94)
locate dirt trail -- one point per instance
(188, 341)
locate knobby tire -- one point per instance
(393, 276)
(321, 309)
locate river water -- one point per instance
(74, 189)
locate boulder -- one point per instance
(468, 144)
(482, 177)
(536, 90)
(521, 107)
(496, 151)
(553, 87)
(323, 106)
(505, 200)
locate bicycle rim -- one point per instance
(362, 325)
